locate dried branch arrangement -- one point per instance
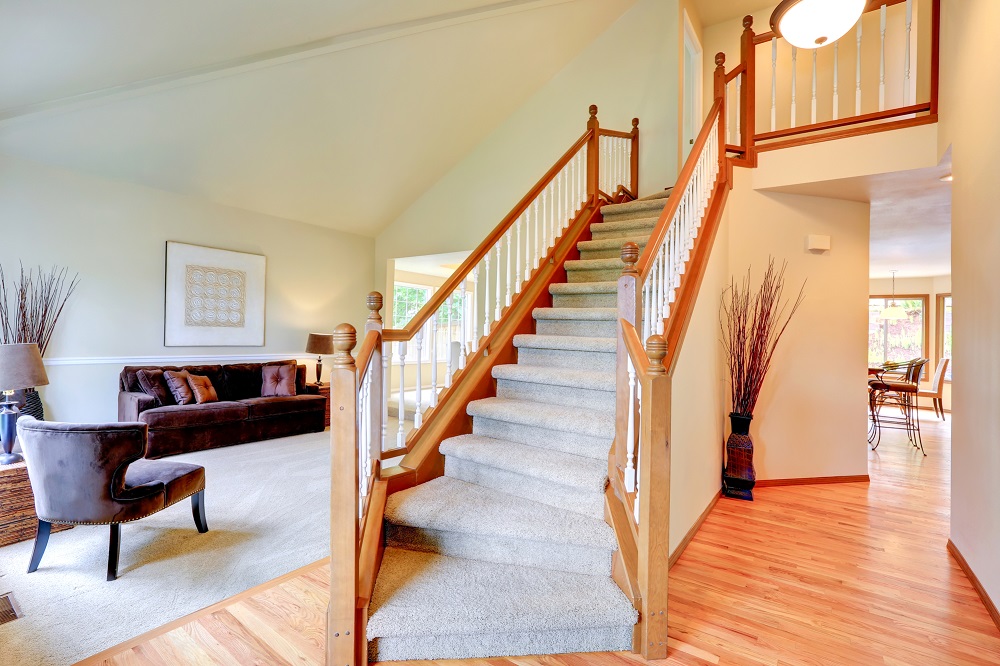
(31, 306)
(752, 324)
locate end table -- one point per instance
(18, 521)
(324, 390)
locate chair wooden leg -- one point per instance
(940, 403)
(114, 550)
(41, 541)
(198, 509)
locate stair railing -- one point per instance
(478, 309)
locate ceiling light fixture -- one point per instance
(809, 24)
(893, 312)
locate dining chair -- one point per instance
(901, 393)
(936, 393)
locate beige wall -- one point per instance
(810, 418)
(970, 66)
(629, 71)
(924, 286)
(114, 235)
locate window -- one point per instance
(406, 303)
(897, 340)
(944, 330)
(407, 299)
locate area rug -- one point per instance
(268, 512)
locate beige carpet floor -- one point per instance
(268, 513)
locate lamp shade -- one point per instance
(893, 312)
(21, 367)
(809, 24)
(320, 343)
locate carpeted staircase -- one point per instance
(508, 553)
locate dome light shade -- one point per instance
(809, 24)
(893, 313)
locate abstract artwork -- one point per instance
(213, 297)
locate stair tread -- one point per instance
(550, 417)
(565, 343)
(564, 288)
(593, 264)
(450, 505)
(624, 225)
(633, 206)
(576, 314)
(594, 380)
(427, 594)
(610, 243)
(556, 467)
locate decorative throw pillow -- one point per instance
(279, 380)
(202, 389)
(179, 387)
(153, 383)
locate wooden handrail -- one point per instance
(461, 273)
(739, 69)
(844, 122)
(645, 264)
(371, 344)
(614, 133)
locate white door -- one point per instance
(692, 87)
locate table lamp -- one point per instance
(21, 367)
(319, 344)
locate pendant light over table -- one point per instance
(893, 312)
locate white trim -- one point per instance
(281, 56)
(214, 359)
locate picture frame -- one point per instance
(213, 297)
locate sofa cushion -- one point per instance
(213, 372)
(187, 416)
(179, 479)
(154, 383)
(202, 388)
(177, 380)
(278, 380)
(262, 408)
(241, 381)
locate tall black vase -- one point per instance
(33, 404)
(739, 477)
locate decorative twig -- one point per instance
(29, 312)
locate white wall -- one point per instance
(970, 67)
(630, 70)
(114, 235)
(810, 418)
(930, 287)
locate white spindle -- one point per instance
(729, 106)
(736, 110)
(517, 273)
(486, 297)
(496, 312)
(836, 82)
(537, 255)
(630, 437)
(812, 112)
(906, 56)
(475, 296)
(418, 339)
(795, 56)
(434, 359)
(510, 274)
(401, 434)
(449, 351)
(857, 75)
(774, 83)
(386, 386)
(881, 75)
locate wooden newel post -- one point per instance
(628, 310)
(720, 94)
(593, 155)
(374, 303)
(341, 618)
(635, 158)
(748, 95)
(654, 503)
(377, 371)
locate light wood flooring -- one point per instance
(829, 574)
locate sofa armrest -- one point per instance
(131, 404)
(311, 388)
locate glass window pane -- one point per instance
(895, 340)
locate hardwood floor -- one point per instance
(851, 573)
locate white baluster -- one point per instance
(906, 56)
(630, 437)
(795, 56)
(545, 227)
(434, 359)
(812, 113)
(537, 255)
(736, 110)
(418, 339)
(386, 385)
(517, 272)
(450, 304)
(486, 297)
(857, 75)
(510, 274)
(836, 79)
(647, 304)
(401, 434)
(729, 107)
(638, 457)
(881, 75)
(475, 315)
(774, 83)
(464, 321)
(496, 313)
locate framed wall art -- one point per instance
(213, 298)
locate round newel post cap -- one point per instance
(345, 337)
(656, 350)
(747, 22)
(593, 111)
(630, 255)
(720, 59)
(635, 123)
(374, 303)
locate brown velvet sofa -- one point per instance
(241, 414)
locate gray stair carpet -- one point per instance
(508, 553)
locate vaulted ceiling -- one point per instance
(334, 112)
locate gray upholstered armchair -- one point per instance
(95, 475)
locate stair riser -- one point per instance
(622, 234)
(561, 358)
(475, 646)
(601, 275)
(557, 395)
(610, 253)
(543, 491)
(557, 440)
(635, 212)
(554, 557)
(585, 300)
(581, 328)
